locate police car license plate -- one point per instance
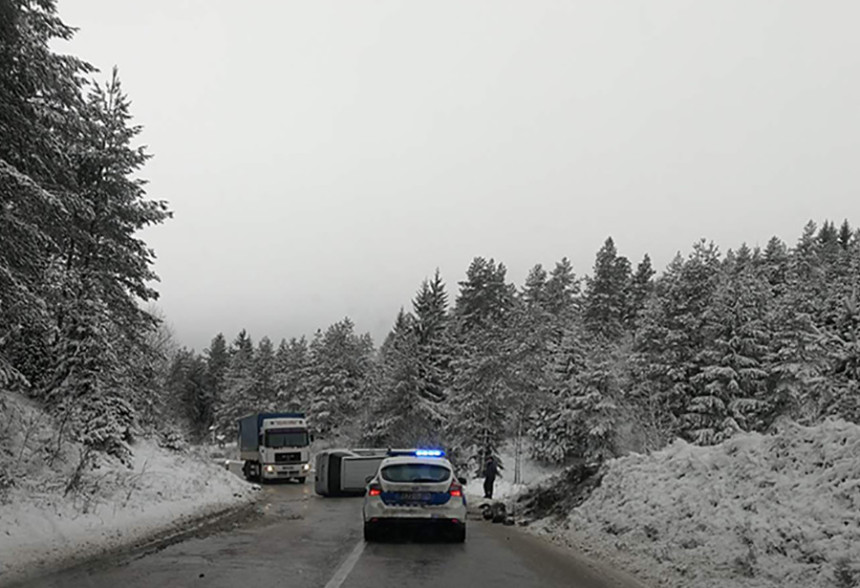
(415, 496)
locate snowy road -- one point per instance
(300, 539)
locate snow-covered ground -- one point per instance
(113, 506)
(756, 511)
(504, 489)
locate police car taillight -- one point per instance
(455, 490)
(374, 490)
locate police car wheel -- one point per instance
(371, 533)
(459, 534)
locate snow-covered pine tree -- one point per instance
(238, 398)
(796, 362)
(89, 396)
(730, 389)
(605, 304)
(485, 299)
(190, 383)
(670, 337)
(293, 374)
(641, 286)
(264, 376)
(482, 374)
(562, 294)
(217, 363)
(553, 428)
(40, 93)
(430, 308)
(340, 362)
(479, 424)
(402, 413)
(530, 343)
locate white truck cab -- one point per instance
(275, 446)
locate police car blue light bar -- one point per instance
(417, 452)
(429, 453)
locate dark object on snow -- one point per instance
(509, 521)
(487, 511)
(562, 493)
(499, 513)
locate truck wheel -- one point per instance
(252, 472)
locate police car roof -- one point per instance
(401, 459)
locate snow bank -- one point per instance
(531, 473)
(41, 524)
(781, 510)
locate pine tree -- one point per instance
(843, 344)
(430, 308)
(217, 363)
(478, 427)
(485, 299)
(190, 384)
(340, 362)
(239, 396)
(670, 339)
(264, 376)
(606, 293)
(641, 286)
(402, 414)
(730, 388)
(553, 427)
(562, 291)
(293, 363)
(845, 235)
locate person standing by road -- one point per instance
(490, 471)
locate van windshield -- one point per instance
(286, 439)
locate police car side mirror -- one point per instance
(462, 480)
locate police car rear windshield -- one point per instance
(414, 473)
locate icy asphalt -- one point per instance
(297, 538)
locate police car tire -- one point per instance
(370, 532)
(460, 534)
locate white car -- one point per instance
(415, 489)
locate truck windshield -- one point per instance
(286, 439)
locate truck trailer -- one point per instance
(275, 446)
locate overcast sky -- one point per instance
(323, 158)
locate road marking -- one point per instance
(346, 567)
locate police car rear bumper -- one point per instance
(453, 509)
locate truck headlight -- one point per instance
(306, 467)
(270, 469)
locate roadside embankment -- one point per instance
(779, 510)
(54, 513)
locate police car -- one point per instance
(415, 487)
